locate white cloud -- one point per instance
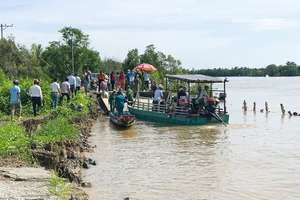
(268, 23)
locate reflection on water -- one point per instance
(256, 157)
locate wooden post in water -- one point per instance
(266, 106)
(254, 107)
(245, 105)
(282, 109)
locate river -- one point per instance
(257, 156)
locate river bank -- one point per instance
(23, 180)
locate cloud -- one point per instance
(268, 23)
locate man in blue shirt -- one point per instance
(15, 99)
(119, 102)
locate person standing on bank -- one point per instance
(65, 91)
(36, 95)
(72, 82)
(55, 91)
(15, 99)
(77, 83)
(112, 80)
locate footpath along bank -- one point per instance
(41, 158)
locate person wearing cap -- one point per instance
(55, 91)
(119, 103)
(36, 95)
(15, 99)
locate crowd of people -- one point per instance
(68, 88)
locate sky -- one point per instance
(201, 34)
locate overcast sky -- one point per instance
(200, 33)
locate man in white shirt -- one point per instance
(158, 96)
(55, 90)
(77, 83)
(35, 93)
(65, 90)
(72, 82)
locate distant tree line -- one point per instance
(289, 69)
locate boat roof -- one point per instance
(195, 78)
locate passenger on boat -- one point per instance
(158, 98)
(181, 97)
(119, 103)
(111, 101)
(203, 96)
(199, 92)
(153, 86)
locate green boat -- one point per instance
(168, 111)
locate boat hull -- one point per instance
(125, 120)
(175, 119)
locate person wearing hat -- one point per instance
(36, 95)
(15, 99)
(119, 103)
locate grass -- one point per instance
(16, 142)
(59, 186)
(13, 141)
(55, 130)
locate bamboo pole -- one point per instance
(245, 105)
(266, 107)
(282, 109)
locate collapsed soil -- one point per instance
(68, 161)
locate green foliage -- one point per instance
(13, 140)
(59, 186)
(55, 130)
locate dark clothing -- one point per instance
(111, 101)
(154, 87)
(62, 97)
(36, 103)
(181, 93)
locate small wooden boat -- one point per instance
(125, 120)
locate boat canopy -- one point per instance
(196, 78)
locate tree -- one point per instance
(58, 56)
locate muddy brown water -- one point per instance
(256, 157)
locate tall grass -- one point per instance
(55, 130)
(14, 141)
